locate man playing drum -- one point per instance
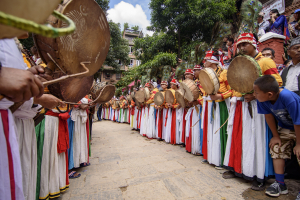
(151, 118)
(248, 154)
(174, 139)
(188, 116)
(215, 114)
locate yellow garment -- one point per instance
(26, 61)
(268, 67)
(151, 99)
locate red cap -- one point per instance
(197, 67)
(174, 81)
(247, 37)
(189, 71)
(164, 83)
(147, 85)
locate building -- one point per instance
(130, 35)
(108, 74)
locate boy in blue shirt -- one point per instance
(283, 106)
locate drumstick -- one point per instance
(16, 105)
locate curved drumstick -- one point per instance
(16, 105)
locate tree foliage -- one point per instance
(191, 21)
(146, 48)
(118, 49)
(155, 68)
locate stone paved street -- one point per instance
(125, 165)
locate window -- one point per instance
(130, 49)
(107, 75)
(131, 62)
(138, 62)
(118, 76)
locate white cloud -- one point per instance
(125, 12)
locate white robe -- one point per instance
(9, 144)
(164, 127)
(254, 142)
(168, 127)
(151, 122)
(80, 152)
(196, 131)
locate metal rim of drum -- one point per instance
(209, 84)
(159, 98)
(241, 79)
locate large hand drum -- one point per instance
(140, 96)
(192, 92)
(169, 95)
(102, 94)
(159, 98)
(89, 44)
(179, 95)
(242, 72)
(209, 81)
(18, 17)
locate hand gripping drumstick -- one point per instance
(16, 105)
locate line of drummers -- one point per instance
(206, 116)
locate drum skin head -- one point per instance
(140, 96)
(129, 98)
(179, 95)
(242, 72)
(169, 97)
(107, 92)
(159, 98)
(74, 89)
(188, 93)
(89, 43)
(34, 10)
(147, 93)
(206, 80)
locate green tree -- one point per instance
(191, 21)
(104, 4)
(118, 49)
(146, 48)
(135, 28)
(126, 26)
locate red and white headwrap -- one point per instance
(147, 85)
(164, 83)
(189, 71)
(211, 58)
(174, 81)
(197, 67)
(247, 37)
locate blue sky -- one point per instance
(134, 12)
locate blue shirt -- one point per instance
(286, 109)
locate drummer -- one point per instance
(215, 114)
(172, 132)
(164, 86)
(199, 102)
(150, 103)
(252, 141)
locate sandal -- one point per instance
(228, 175)
(73, 175)
(85, 164)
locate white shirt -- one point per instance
(11, 56)
(292, 78)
